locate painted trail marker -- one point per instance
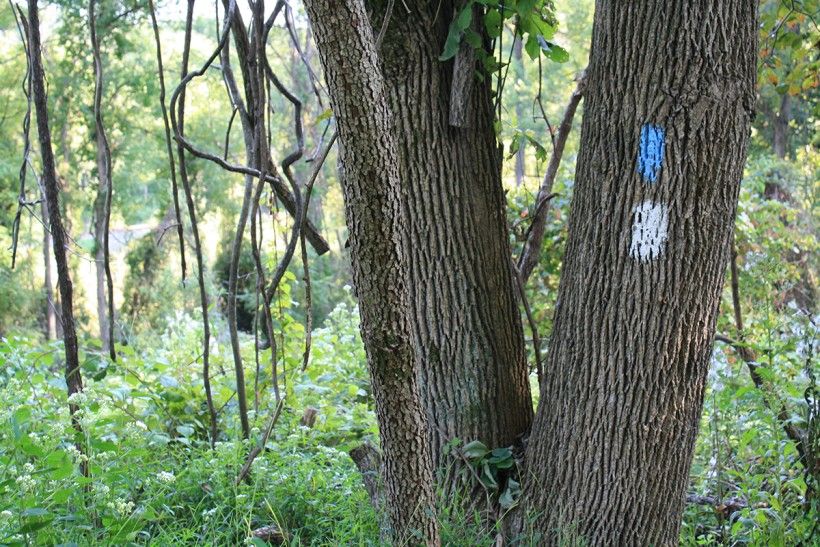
(649, 231)
(650, 219)
(651, 151)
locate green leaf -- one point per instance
(492, 22)
(554, 52)
(34, 512)
(327, 114)
(465, 17)
(476, 450)
(558, 54)
(185, 430)
(473, 38)
(532, 48)
(451, 45)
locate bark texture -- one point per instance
(373, 208)
(465, 320)
(612, 440)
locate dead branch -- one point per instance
(531, 252)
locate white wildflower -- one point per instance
(25, 482)
(77, 398)
(122, 507)
(166, 477)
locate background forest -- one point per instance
(164, 463)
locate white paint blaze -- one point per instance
(649, 229)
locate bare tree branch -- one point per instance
(531, 252)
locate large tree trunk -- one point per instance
(666, 124)
(374, 212)
(466, 324)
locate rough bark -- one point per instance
(374, 212)
(649, 239)
(466, 324)
(52, 191)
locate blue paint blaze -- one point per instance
(650, 154)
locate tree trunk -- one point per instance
(521, 154)
(466, 323)
(99, 268)
(669, 101)
(374, 212)
(780, 127)
(72, 366)
(48, 282)
(102, 205)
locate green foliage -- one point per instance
(153, 475)
(18, 300)
(744, 460)
(534, 21)
(154, 478)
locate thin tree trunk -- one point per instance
(373, 207)
(464, 315)
(191, 206)
(102, 205)
(667, 117)
(48, 282)
(780, 127)
(72, 366)
(521, 154)
(250, 120)
(99, 268)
